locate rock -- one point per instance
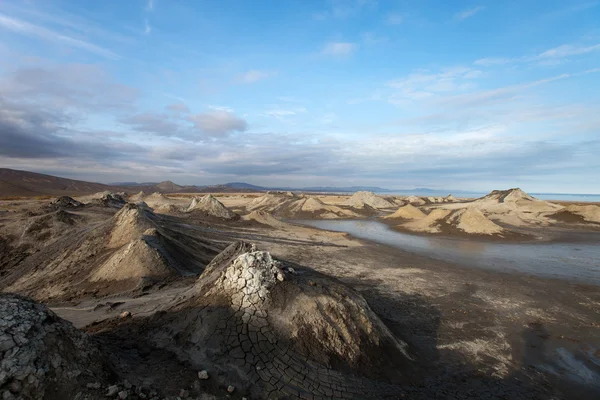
(112, 391)
(230, 389)
(95, 385)
(125, 314)
(36, 346)
(122, 394)
(203, 375)
(184, 394)
(126, 384)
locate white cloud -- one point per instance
(28, 29)
(395, 19)
(420, 85)
(253, 76)
(149, 5)
(147, 27)
(460, 16)
(218, 123)
(342, 9)
(488, 62)
(284, 112)
(567, 50)
(339, 49)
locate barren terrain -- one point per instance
(290, 311)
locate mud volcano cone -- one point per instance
(280, 333)
(43, 356)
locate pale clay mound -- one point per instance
(264, 218)
(415, 200)
(134, 198)
(360, 199)
(429, 224)
(589, 213)
(467, 220)
(406, 212)
(136, 260)
(43, 356)
(513, 207)
(292, 205)
(211, 206)
(129, 223)
(252, 319)
(471, 220)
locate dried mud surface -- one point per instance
(469, 333)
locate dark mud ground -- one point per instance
(473, 333)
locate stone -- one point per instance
(230, 389)
(111, 391)
(122, 394)
(203, 375)
(94, 385)
(125, 314)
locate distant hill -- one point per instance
(25, 183)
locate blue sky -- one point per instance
(473, 95)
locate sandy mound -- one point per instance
(277, 332)
(290, 205)
(134, 198)
(136, 260)
(589, 213)
(471, 220)
(415, 200)
(129, 223)
(360, 199)
(264, 218)
(430, 224)
(434, 200)
(406, 212)
(49, 227)
(210, 206)
(109, 199)
(513, 207)
(449, 199)
(65, 202)
(42, 355)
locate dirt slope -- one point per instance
(362, 199)
(275, 331)
(406, 212)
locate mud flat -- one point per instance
(456, 328)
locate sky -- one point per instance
(471, 95)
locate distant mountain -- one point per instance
(133, 184)
(349, 189)
(243, 185)
(24, 183)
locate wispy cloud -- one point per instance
(567, 50)
(395, 19)
(28, 29)
(149, 5)
(339, 49)
(253, 75)
(421, 85)
(342, 9)
(281, 113)
(468, 13)
(147, 27)
(556, 53)
(487, 62)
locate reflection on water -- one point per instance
(573, 261)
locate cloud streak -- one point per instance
(468, 13)
(339, 49)
(27, 29)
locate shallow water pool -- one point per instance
(572, 261)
